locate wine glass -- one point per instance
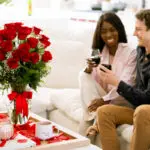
(95, 56)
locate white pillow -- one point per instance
(68, 101)
(121, 128)
(127, 133)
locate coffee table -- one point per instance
(83, 145)
(76, 141)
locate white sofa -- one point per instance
(65, 95)
(70, 52)
(59, 98)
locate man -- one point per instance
(110, 116)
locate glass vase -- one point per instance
(17, 104)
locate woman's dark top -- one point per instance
(140, 93)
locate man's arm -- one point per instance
(133, 95)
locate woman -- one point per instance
(110, 38)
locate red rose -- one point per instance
(36, 30)
(2, 34)
(24, 55)
(1, 38)
(6, 46)
(12, 63)
(34, 57)
(32, 42)
(9, 34)
(15, 54)
(23, 32)
(2, 56)
(9, 26)
(46, 43)
(46, 56)
(14, 26)
(24, 46)
(43, 37)
(44, 40)
(18, 25)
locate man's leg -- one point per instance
(141, 132)
(108, 117)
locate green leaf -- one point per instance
(5, 1)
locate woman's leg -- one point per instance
(141, 132)
(108, 117)
(89, 90)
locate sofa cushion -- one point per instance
(69, 57)
(68, 101)
(121, 128)
(127, 133)
(58, 117)
(41, 100)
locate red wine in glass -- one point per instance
(96, 59)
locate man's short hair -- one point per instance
(144, 15)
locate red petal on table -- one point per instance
(58, 138)
(3, 142)
(64, 137)
(36, 140)
(2, 116)
(54, 140)
(32, 128)
(14, 135)
(22, 140)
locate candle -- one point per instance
(6, 130)
(43, 130)
(29, 7)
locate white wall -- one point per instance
(56, 5)
(133, 3)
(147, 3)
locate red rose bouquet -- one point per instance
(23, 60)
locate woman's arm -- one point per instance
(127, 75)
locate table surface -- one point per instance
(89, 147)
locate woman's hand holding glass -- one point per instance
(93, 61)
